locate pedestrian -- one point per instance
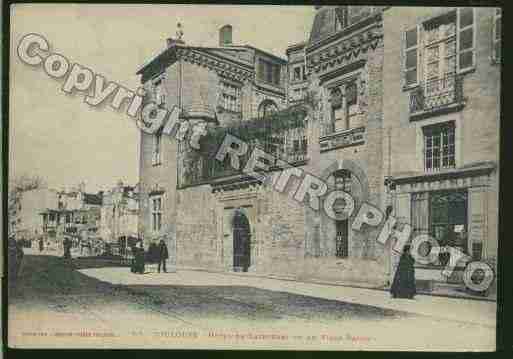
(163, 255)
(403, 285)
(67, 248)
(139, 257)
(41, 244)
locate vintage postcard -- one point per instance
(253, 177)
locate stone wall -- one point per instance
(197, 231)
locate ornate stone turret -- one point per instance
(198, 115)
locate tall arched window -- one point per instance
(343, 182)
(266, 108)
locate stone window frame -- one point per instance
(156, 152)
(301, 75)
(156, 212)
(439, 128)
(223, 91)
(296, 73)
(269, 72)
(420, 47)
(343, 181)
(356, 77)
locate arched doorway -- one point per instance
(241, 243)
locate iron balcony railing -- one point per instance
(281, 134)
(437, 94)
(290, 147)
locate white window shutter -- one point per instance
(466, 38)
(411, 56)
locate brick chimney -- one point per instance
(225, 35)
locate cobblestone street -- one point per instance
(104, 306)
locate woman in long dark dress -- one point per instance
(403, 285)
(139, 258)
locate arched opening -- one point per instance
(266, 108)
(241, 243)
(342, 181)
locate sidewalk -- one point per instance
(459, 310)
(448, 291)
(445, 290)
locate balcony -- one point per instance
(340, 139)
(282, 135)
(437, 96)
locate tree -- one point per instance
(21, 184)
(27, 182)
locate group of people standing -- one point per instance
(160, 254)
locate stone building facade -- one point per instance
(351, 136)
(26, 220)
(297, 83)
(76, 215)
(218, 219)
(441, 77)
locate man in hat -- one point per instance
(163, 254)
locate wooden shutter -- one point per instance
(420, 212)
(497, 35)
(411, 56)
(466, 32)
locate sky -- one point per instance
(64, 140)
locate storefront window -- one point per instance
(448, 218)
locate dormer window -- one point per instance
(269, 72)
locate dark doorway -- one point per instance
(241, 243)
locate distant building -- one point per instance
(76, 214)
(24, 217)
(119, 214)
